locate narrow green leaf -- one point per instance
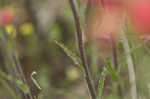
(19, 82)
(111, 70)
(70, 54)
(22, 86)
(101, 82)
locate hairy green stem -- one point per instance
(88, 76)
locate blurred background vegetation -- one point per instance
(27, 40)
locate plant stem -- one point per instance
(101, 83)
(88, 76)
(131, 70)
(20, 71)
(13, 65)
(115, 60)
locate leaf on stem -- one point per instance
(22, 86)
(70, 54)
(101, 82)
(112, 71)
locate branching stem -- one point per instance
(88, 76)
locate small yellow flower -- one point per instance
(11, 30)
(27, 29)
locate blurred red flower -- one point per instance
(7, 16)
(139, 14)
(105, 24)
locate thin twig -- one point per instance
(20, 71)
(82, 51)
(130, 64)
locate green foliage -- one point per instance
(22, 86)
(111, 70)
(70, 54)
(101, 82)
(52, 81)
(18, 82)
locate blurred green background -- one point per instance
(31, 36)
